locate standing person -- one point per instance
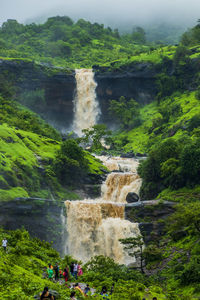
(78, 288)
(75, 270)
(66, 275)
(4, 244)
(50, 272)
(46, 294)
(56, 269)
(87, 289)
(80, 271)
(112, 289)
(72, 269)
(104, 292)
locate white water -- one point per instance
(95, 226)
(86, 108)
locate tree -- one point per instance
(126, 112)
(96, 136)
(134, 246)
(70, 163)
(138, 35)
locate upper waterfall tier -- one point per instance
(86, 108)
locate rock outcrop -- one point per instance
(59, 86)
(42, 218)
(150, 215)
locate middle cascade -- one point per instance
(94, 227)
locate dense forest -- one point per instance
(37, 161)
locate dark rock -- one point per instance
(132, 197)
(42, 218)
(128, 155)
(140, 155)
(149, 214)
(177, 235)
(103, 153)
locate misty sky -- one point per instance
(108, 12)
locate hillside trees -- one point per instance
(134, 246)
(70, 162)
(172, 164)
(96, 136)
(126, 112)
(60, 38)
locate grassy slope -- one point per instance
(21, 154)
(140, 140)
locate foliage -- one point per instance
(126, 111)
(191, 36)
(70, 163)
(134, 246)
(15, 115)
(96, 136)
(66, 43)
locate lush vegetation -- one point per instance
(23, 270)
(35, 161)
(62, 42)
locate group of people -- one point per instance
(54, 272)
(47, 295)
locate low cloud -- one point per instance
(109, 12)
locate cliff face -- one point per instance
(137, 82)
(59, 85)
(42, 219)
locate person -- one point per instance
(56, 269)
(112, 289)
(72, 296)
(72, 269)
(87, 289)
(104, 292)
(80, 271)
(78, 288)
(46, 295)
(50, 272)
(75, 271)
(4, 244)
(61, 273)
(66, 274)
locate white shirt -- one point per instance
(4, 243)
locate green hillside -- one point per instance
(36, 162)
(62, 42)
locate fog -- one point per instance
(115, 13)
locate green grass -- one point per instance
(141, 139)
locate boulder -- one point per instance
(132, 197)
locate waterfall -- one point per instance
(86, 108)
(95, 226)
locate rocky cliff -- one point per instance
(59, 87)
(44, 219)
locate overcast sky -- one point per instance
(109, 12)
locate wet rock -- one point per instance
(149, 214)
(141, 155)
(43, 218)
(128, 155)
(132, 197)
